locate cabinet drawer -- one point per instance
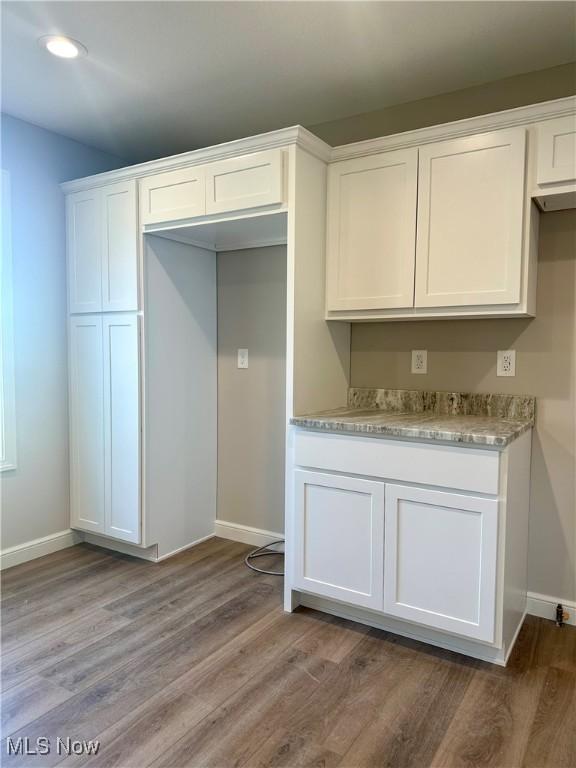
(557, 151)
(468, 469)
(173, 195)
(244, 182)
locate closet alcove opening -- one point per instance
(216, 444)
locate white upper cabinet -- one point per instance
(173, 195)
(250, 181)
(372, 231)
(84, 236)
(119, 247)
(440, 560)
(236, 184)
(102, 233)
(439, 230)
(471, 194)
(557, 151)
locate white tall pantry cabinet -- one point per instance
(142, 350)
(104, 361)
(142, 246)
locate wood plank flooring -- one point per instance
(192, 662)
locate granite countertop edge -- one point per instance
(483, 419)
(331, 424)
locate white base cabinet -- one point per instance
(444, 565)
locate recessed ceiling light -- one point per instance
(62, 46)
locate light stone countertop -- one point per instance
(495, 420)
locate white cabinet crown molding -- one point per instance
(284, 137)
(509, 118)
(307, 141)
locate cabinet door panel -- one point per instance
(83, 211)
(557, 151)
(372, 231)
(245, 182)
(470, 217)
(119, 247)
(122, 427)
(173, 195)
(86, 423)
(441, 560)
(339, 537)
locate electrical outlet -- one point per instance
(419, 361)
(506, 363)
(242, 358)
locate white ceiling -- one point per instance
(165, 77)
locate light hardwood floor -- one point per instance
(191, 662)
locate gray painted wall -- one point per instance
(35, 496)
(251, 403)
(517, 91)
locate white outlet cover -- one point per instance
(242, 358)
(506, 362)
(419, 361)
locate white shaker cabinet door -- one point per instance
(84, 247)
(86, 423)
(241, 183)
(372, 231)
(173, 195)
(119, 247)
(339, 537)
(471, 195)
(440, 560)
(557, 151)
(122, 426)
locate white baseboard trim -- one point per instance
(144, 553)
(545, 607)
(510, 648)
(166, 555)
(245, 534)
(30, 550)
(124, 547)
